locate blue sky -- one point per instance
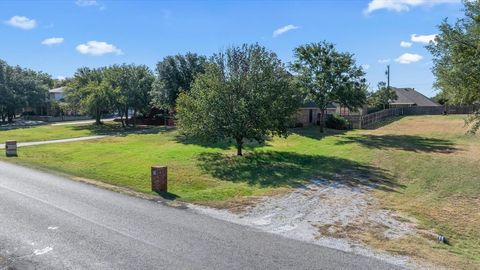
(57, 37)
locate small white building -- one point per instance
(56, 94)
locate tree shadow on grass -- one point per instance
(401, 142)
(286, 169)
(313, 132)
(220, 144)
(118, 130)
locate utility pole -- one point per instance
(388, 76)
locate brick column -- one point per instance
(11, 148)
(159, 178)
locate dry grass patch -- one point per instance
(442, 190)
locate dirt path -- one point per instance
(87, 138)
(325, 213)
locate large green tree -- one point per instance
(326, 76)
(89, 91)
(244, 94)
(173, 75)
(456, 59)
(134, 84)
(97, 99)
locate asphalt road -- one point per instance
(49, 222)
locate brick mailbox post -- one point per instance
(159, 178)
(11, 148)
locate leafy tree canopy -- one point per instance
(21, 88)
(175, 74)
(244, 94)
(456, 59)
(119, 88)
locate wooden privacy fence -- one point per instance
(369, 120)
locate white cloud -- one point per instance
(98, 48)
(86, 3)
(408, 58)
(90, 3)
(402, 5)
(52, 41)
(284, 29)
(423, 38)
(22, 22)
(384, 61)
(405, 44)
(365, 66)
(61, 78)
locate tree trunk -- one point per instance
(121, 119)
(322, 120)
(239, 146)
(98, 117)
(134, 117)
(126, 115)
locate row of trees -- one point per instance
(21, 88)
(131, 88)
(242, 93)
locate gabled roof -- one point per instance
(57, 90)
(412, 97)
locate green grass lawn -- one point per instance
(199, 172)
(51, 132)
(427, 167)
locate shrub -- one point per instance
(336, 121)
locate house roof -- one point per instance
(57, 90)
(412, 97)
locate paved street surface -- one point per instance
(49, 222)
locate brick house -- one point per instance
(309, 113)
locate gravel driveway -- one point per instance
(327, 213)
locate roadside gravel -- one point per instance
(327, 213)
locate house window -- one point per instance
(310, 116)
